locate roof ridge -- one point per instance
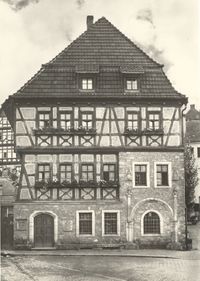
(129, 40)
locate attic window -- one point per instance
(131, 84)
(87, 84)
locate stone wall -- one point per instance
(167, 202)
(66, 222)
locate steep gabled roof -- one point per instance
(102, 45)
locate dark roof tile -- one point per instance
(101, 46)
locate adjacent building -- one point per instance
(193, 138)
(99, 132)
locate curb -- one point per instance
(31, 253)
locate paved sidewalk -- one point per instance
(151, 253)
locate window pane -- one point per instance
(162, 175)
(66, 172)
(140, 175)
(87, 172)
(151, 223)
(44, 172)
(131, 84)
(109, 173)
(87, 84)
(85, 223)
(110, 223)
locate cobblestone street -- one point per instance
(57, 268)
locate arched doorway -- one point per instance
(44, 231)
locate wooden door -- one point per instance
(6, 227)
(44, 231)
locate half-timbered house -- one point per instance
(99, 130)
(9, 172)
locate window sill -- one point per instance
(85, 235)
(110, 235)
(163, 186)
(87, 91)
(127, 92)
(151, 235)
(141, 186)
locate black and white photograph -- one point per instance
(100, 140)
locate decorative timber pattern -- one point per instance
(98, 126)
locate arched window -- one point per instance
(151, 223)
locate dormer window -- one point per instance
(87, 84)
(131, 84)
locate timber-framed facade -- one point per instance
(100, 136)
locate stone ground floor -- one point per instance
(150, 223)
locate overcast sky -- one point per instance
(34, 31)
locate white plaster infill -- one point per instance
(31, 224)
(150, 199)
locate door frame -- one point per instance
(31, 224)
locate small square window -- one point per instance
(131, 84)
(87, 84)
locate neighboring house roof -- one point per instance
(101, 49)
(193, 131)
(192, 114)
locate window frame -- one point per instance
(118, 222)
(81, 119)
(159, 120)
(138, 119)
(38, 118)
(87, 77)
(131, 79)
(81, 170)
(161, 223)
(72, 172)
(71, 118)
(50, 171)
(115, 170)
(169, 164)
(147, 175)
(78, 223)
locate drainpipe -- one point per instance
(175, 216)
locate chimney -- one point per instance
(192, 106)
(89, 21)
